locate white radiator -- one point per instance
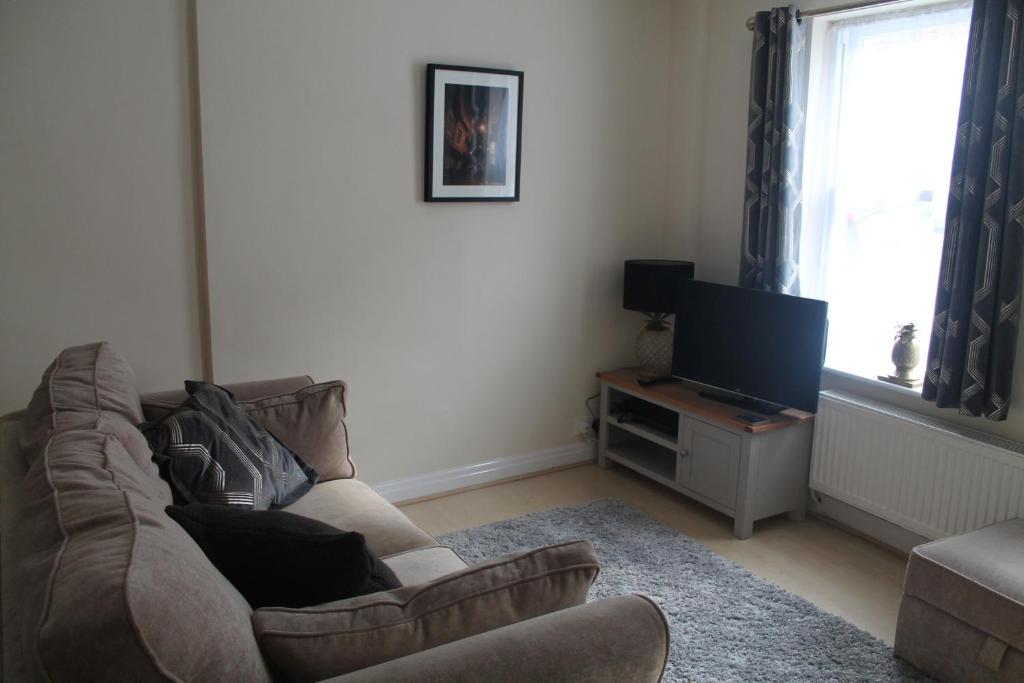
(933, 478)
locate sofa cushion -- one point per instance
(88, 378)
(212, 451)
(311, 422)
(977, 577)
(100, 584)
(422, 565)
(308, 418)
(318, 642)
(275, 558)
(351, 504)
(108, 423)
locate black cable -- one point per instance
(587, 404)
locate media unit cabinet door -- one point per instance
(710, 463)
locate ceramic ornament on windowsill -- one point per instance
(906, 355)
(654, 346)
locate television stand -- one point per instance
(740, 401)
(702, 449)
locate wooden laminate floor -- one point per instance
(836, 570)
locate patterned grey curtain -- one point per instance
(977, 309)
(775, 131)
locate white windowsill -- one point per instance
(873, 383)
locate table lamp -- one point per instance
(649, 286)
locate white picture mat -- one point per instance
(443, 77)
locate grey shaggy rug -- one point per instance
(726, 623)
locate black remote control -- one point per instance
(652, 381)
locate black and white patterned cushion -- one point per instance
(211, 451)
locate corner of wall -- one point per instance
(202, 271)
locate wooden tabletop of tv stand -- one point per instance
(682, 396)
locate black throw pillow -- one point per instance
(279, 559)
(211, 451)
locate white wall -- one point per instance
(688, 78)
(723, 122)
(466, 331)
(96, 228)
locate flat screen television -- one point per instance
(751, 344)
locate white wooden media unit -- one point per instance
(748, 472)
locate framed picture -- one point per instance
(473, 138)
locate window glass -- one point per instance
(882, 113)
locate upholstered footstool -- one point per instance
(962, 613)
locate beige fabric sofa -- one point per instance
(98, 583)
(961, 618)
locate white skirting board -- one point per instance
(865, 523)
(442, 481)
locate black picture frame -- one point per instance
(471, 114)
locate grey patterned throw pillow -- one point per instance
(211, 451)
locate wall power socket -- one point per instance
(585, 428)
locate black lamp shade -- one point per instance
(650, 285)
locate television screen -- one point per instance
(759, 344)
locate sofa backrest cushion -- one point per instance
(103, 585)
(314, 643)
(307, 418)
(156, 404)
(310, 421)
(91, 378)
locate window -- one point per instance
(883, 101)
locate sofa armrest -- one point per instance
(625, 638)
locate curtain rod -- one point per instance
(836, 9)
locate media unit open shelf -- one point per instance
(646, 457)
(697, 447)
